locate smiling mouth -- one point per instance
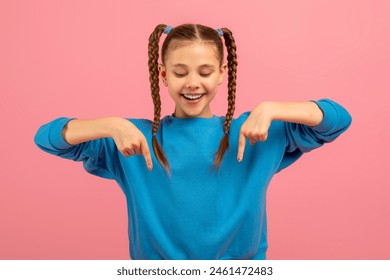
(192, 96)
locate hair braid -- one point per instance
(232, 73)
(153, 53)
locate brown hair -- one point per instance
(191, 32)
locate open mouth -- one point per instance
(193, 96)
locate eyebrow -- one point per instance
(202, 66)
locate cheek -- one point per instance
(173, 91)
(174, 82)
(212, 84)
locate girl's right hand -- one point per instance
(130, 140)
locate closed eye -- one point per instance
(182, 75)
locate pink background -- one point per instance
(88, 59)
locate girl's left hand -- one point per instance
(255, 128)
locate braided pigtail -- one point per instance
(153, 50)
(232, 73)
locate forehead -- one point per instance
(192, 54)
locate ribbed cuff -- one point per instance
(55, 134)
(330, 115)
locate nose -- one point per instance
(192, 82)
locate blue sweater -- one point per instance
(196, 213)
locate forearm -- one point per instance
(305, 112)
(78, 131)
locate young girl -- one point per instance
(194, 188)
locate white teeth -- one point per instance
(193, 97)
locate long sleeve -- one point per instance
(302, 138)
(99, 156)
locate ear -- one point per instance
(162, 73)
(222, 72)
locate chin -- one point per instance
(192, 115)
(200, 115)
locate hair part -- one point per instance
(176, 38)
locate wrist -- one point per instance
(108, 126)
(273, 109)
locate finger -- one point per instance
(241, 147)
(146, 153)
(265, 137)
(258, 138)
(128, 152)
(137, 150)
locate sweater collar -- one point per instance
(213, 121)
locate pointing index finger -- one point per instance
(241, 147)
(146, 153)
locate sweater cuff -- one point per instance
(55, 134)
(329, 115)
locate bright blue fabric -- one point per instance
(196, 213)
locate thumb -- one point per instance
(146, 153)
(241, 147)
